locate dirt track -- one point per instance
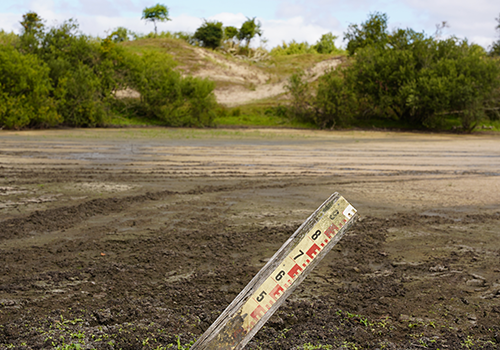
(128, 238)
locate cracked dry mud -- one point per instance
(131, 238)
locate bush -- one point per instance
(419, 80)
(373, 32)
(298, 88)
(249, 29)
(187, 37)
(8, 38)
(326, 44)
(25, 91)
(166, 96)
(336, 103)
(293, 48)
(119, 35)
(210, 34)
(84, 73)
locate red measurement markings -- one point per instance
(258, 313)
(313, 251)
(294, 271)
(276, 292)
(330, 231)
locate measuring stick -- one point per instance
(251, 309)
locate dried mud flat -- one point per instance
(138, 238)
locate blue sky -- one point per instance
(302, 20)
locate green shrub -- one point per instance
(187, 37)
(167, 96)
(298, 88)
(84, 72)
(79, 94)
(25, 91)
(120, 35)
(8, 38)
(336, 102)
(230, 33)
(249, 29)
(373, 32)
(293, 48)
(419, 80)
(210, 34)
(326, 44)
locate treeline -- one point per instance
(414, 79)
(59, 76)
(53, 76)
(229, 39)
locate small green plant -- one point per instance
(309, 346)
(468, 343)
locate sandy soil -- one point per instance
(240, 94)
(130, 238)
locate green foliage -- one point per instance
(230, 33)
(409, 77)
(373, 32)
(293, 48)
(326, 45)
(84, 72)
(210, 34)
(187, 37)
(419, 80)
(157, 13)
(78, 93)
(336, 102)
(31, 23)
(119, 35)
(249, 29)
(65, 77)
(31, 33)
(8, 38)
(298, 88)
(166, 96)
(25, 91)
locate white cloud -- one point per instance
(10, 22)
(472, 19)
(229, 19)
(296, 28)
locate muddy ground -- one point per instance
(139, 238)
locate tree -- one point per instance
(156, 13)
(210, 34)
(31, 33)
(119, 35)
(25, 91)
(371, 32)
(326, 45)
(249, 30)
(422, 81)
(230, 33)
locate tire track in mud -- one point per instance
(68, 216)
(65, 217)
